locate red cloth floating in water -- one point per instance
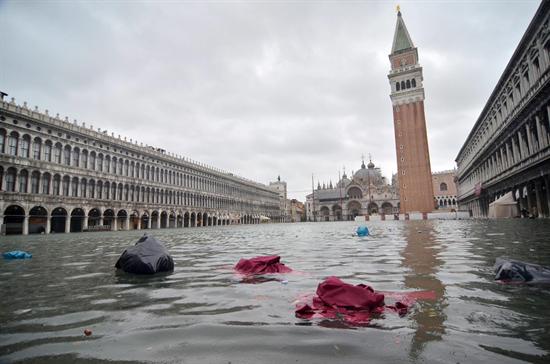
(262, 265)
(354, 304)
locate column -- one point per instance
(540, 130)
(115, 223)
(85, 223)
(26, 225)
(127, 223)
(538, 197)
(149, 223)
(531, 146)
(529, 204)
(521, 147)
(101, 220)
(67, 223)
(139, 223)
(48, 223)
(508, 155)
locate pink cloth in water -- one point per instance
(262, 265)
(354, 304)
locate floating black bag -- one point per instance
(516, 271)
(148, 256)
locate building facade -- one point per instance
(57, 176)
(366, 193)
(444, 184)
(411, 140)
(280, 187)
(508, 149)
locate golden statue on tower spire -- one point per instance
(398, 8)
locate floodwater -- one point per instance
(204, 313)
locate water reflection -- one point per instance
(420, 256)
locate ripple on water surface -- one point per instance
(204, 312)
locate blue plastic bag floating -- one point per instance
(362, 231)
(17, 254)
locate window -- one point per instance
(66, 186)
(76, 157)
(67, 156)
(443, 186)
(36, 149)
(57, 153)
(10, 180)
(12, 143)
(23, 179)
(84, 159)
(413, 82)
(25, 145)
(34, 182)
(397, 86)
(46, 184)
(56, 185)
(408, 83)
(2, 140)
(74, 187)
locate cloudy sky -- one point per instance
(258, 88)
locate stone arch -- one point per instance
(109, 217)
(354, 192)
(387, 208)
(193, 220)
(337, 212)
(155, 219)
(14, 218)
(186, 219)
(204, 219)
(135, 220)
(373, 208)
(59, 220)
(38, 220)
(121, 217)
(145, 220)
(443, 186)
(77, 220)
(354, 209)
(94, 217)
(324, 213)
(172, 220)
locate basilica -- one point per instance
(367, 192)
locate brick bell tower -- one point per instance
(411, 140)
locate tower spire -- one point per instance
(401, 38)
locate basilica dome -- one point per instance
(368, 175)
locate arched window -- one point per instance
(23, 180)
(443, 186)
(57, 153)
(74, 187)
(37, 148)
(397, 86)
(83, 187)
(402, 85)
(76, 157)
(413, 82)
(84, 158)
(107, 164)
(34, 181)
(408, 83)
(46, 183)
(48, 151)
(10, 179)
(66, 181)
(25, 145)
(12, 143)
(99, 161)
(2, 140)
(67, 155)
(56, 185)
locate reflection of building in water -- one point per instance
(420, 257)
(366, 193)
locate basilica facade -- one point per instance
(366, 193)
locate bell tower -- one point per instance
(411, 140)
